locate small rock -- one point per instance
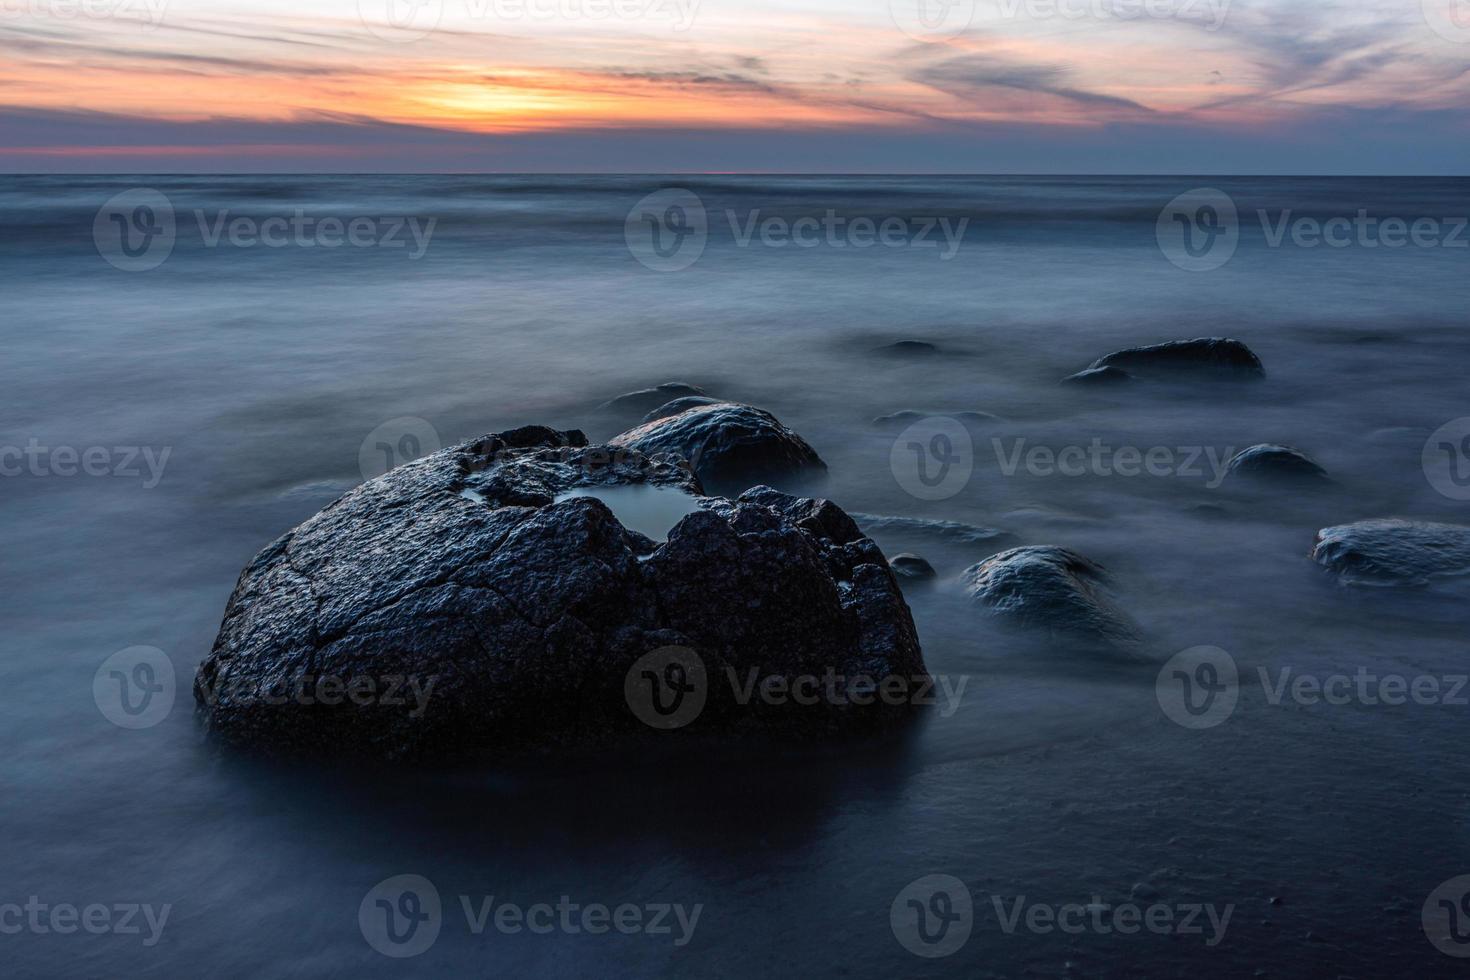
(912, 567)
(678, 405)
(1050, 588)
(731, 447)
(1099, 376)
(648, 399)
(1279, 463)
(1393, 552)
(1216, 356)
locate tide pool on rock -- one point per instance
(650, 510)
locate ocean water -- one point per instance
(225, 391)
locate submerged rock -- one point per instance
(1216, 356)
(1098, 376)
(1279, 463)
(473, 576)
(908, 348)
(909, 417)
(912, 567)
(731, 447)
(1393, 551)
(648, 399)
(1050, 588)
(949, 530)
(678, 405)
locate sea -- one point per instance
(195, 364)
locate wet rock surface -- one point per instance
(730, 447)
(521, 615)
(1050, 589)
(678, 405)
(1394, 551)
(1216, 357)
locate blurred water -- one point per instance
(263, 372)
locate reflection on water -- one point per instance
(651, 511)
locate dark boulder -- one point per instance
(912, 567)
(638, 403)
(1276, 463)
(1052, 589)
(1213, 356)
(1394, 552)
(731, 447)
(1099, 376)
(678, 405)
(470, 574)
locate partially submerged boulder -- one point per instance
(915, 567)
(503, 613)
(1217, 357)
(1281, 464)
(953, 531)
(1105, 376)
(730, 447)
(645, 400)
(1051, 589)
(1393, 552)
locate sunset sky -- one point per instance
(1264, 86)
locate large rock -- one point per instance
(1052, 589)
(470, 574)
(1281, 464)
(731, 447)
(1394, 552)
(1213, 356)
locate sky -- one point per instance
(666, 86)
